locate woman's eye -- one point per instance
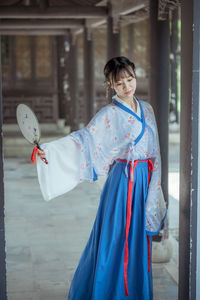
(118, 84)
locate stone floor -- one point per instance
(44, 240)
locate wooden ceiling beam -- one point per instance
(40, 24)
(125, 8)
(6, 32)
(131, 6)
(64, 12)
(36, 21)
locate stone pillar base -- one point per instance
(162, 251)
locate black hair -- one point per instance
(114, 67)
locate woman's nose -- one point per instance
(125, 85)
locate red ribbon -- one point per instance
(128, 216)
(34, 154)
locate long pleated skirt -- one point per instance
(100, 272)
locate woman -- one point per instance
(116, 262)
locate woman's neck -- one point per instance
(131, 101)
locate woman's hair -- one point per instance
(115, 66)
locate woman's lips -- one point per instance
(128, 93)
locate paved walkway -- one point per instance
(44, 240)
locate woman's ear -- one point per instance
(109, 84)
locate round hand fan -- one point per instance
(29, 126)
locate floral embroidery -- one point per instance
(127, 135)
(82, 166)
(107, 123)
(131, 120)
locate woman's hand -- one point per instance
(41, 154)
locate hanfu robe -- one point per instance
(116, 262)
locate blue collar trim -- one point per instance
(142, 119)
(128, 110)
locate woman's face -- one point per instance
(125, 86)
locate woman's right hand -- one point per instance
(41, 154)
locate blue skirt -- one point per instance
(100, 272)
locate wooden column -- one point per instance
(174, 64)
(131, 41)
(153, 48)
(3, 293)
(189, 146)
(61, 74)
(73, 83)
(159, 84)
(89, 96)
(63, 78)
(113, 40)
(185, 146)
(194, 287)
(163, 99)
(113, 36)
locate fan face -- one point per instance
(28, 123)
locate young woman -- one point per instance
(116, 262)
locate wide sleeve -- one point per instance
(81, 156)
(61, 174)
(99, 144)
(155, 203)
